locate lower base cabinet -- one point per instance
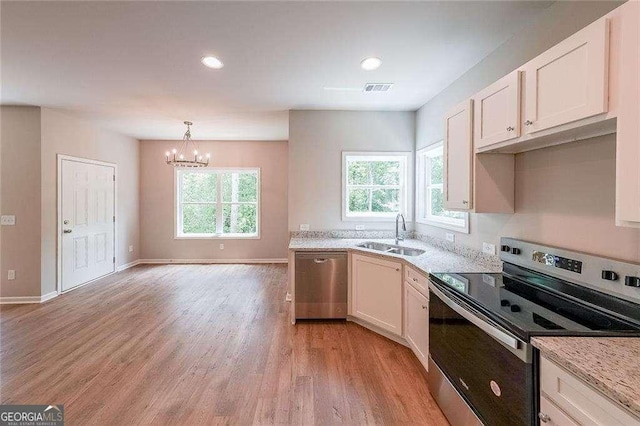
(376, 292)
(416, 311)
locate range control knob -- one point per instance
(505, 248)
(515, 308)
(505, 302)
(632, 281)
(609, 275)
(516, 251)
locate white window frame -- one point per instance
(178, 235)
(423, 192)
(403, 157)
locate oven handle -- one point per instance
(492, 331)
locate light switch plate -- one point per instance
(304, 227)
(489, 248)
(360, 227)
(450, 237)
(7, 219)
(11, 274)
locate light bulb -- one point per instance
(181, 156)
(208, 155)
(166, 153)
(200, 158)
(174, 150)
(195, 152)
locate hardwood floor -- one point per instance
(203, 344)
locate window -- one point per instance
(430, 195)
(218, 203)
(373, 185)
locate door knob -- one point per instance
(67, 231)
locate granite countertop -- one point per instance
(609, 364)
(435, 259)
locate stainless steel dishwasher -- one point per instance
(321, 285)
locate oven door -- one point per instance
(489, 367)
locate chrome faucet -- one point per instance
(404, 228)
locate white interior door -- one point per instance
(88, 222)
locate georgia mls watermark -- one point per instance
(31, 415)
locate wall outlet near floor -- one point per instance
(360, 227)
(304, 227)
(221, 246)
(7, 219)
(489, 248)
(11, 274)
(451, 237)
(130, 249)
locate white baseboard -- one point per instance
(211, 261)
(27, 299)
(127, 265)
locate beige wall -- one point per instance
(316, 142)
(157, 202)
(564, 195)
(64, 134)
(20, 196)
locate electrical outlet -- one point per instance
(130, 249)
(304, 227)
(360, 227)
(221, 246)
(450, 237)
(11, 275)
(9, 220)
(489, 248)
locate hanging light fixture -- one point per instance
(188, 150)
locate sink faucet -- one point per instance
(404, 228)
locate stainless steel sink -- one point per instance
(390, 248)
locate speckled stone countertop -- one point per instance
(435, 259)
(609, 364)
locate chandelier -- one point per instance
(188, 155)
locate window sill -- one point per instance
(445, 225)
(389, 219)
(218, 237)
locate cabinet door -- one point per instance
(416, 308)
(377, 292)
(628, 135)
(458, 158)
(569, 81)
(550, 415)
(497, 112)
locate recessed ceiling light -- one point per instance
(370, 64)
(212, 62)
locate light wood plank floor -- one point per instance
(203, 344)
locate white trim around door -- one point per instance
(60, 159)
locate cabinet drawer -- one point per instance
(579, 400)
(550, 415)
(416, 279)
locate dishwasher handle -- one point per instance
(320, 260)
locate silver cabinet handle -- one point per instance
(320, 260)
(528, 123)
(67, 231)
(544, 418)
(510, 129)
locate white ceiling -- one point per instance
(135, 66)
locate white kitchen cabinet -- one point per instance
(628, 135)
(496, 116)
(578, 401)
(551, 415)
(376, 292)
(416, 320)
(417, 280)
(568, 82)
(458, 157)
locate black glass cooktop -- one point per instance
(529, 303)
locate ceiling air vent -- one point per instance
(377, 87)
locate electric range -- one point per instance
(480, 325)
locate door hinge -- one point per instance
(114, 219)
(114, 178)
(114, 259)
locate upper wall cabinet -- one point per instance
(628, 135)
(569, 81)
(458, 157)
(497, 112)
